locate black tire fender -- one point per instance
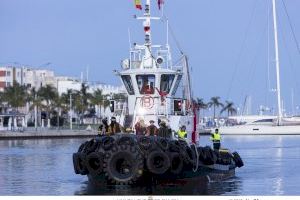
(163, 143)
(158, 162)
(124, 166)
(176, 163)
(237, 159)
(94, 163)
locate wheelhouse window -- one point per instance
(146, 83)
(178, 80)
(166, 82)
(128, 84)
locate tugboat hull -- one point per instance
(128, 160)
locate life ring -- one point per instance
(158, 162)
(94, 163)
(147, 102)
(237, 159)
(176, 163)
(124, 166)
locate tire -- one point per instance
(163, 143)
(82, 146)
(174, 146)
(202, 155)
(79, 163)
(237, 159)
(124, 167)
(176, 163)
(91, 146)
(158, 162)
(126, 140)
(107, 143)
(76, 162)
(145, 143)
(209, 159)
(94, 163)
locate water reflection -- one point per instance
(44, 167)
(192, 188)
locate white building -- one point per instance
(9, 74)
(36, 78)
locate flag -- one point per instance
(138, 4)
(160, 2)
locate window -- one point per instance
(166, 82)
(176, 84)
(128, 84)
(146, 83)
(7, 73)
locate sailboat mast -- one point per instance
(277, 63)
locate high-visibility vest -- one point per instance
(182, 134)
(216, 137)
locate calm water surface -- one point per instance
(44, 167)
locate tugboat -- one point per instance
(158, 90)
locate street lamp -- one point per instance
(71, 112)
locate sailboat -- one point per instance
(269, 126)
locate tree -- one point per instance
(15, 95)
(98, 99)
(47, 93)
(215, 102)
(35, 100)
(229, 107)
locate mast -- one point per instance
(277, 64)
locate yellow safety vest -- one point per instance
(181, 134)
(216, 137)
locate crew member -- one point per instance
(140, 127)
(164, 130)
(103, 127)
(151, 129)
(182, 134)
(114, 127)
(216, 139)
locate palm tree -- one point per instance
(48, 94)
(215, 102)
(35, 101)
(97, 99)
(15, 95)
(229, 107)
(82, 100)
(200, 105)
(60, 106)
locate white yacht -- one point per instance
(269, 125)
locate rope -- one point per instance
(291, 26)
(241, 50)
(195, 168)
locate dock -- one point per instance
(52, 133)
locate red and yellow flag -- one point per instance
(160, 2)
(138, 4)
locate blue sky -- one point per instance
(226, 42)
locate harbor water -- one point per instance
(44, 167)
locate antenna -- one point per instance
(87, 73)
(129, 38)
